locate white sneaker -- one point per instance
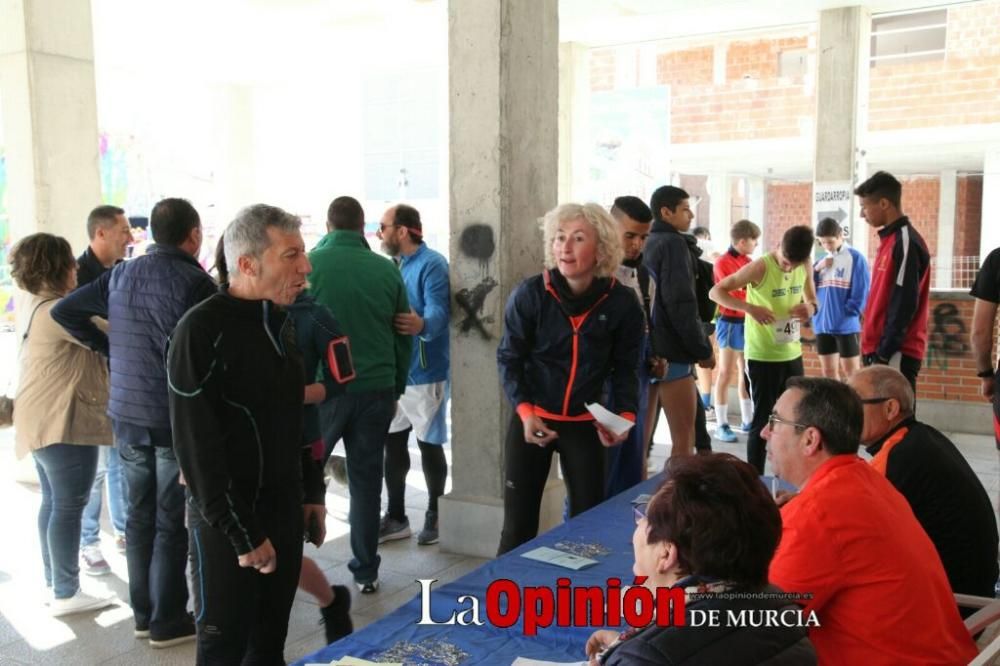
(92, 562)
(80, 602)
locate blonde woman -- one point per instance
(567, 332)
(58, 413)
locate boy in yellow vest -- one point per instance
(780, 296)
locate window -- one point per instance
(793, 64)
(898, 38)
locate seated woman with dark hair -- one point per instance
(711, 529)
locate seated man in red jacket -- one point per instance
(850, 544)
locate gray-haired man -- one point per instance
(236, 395)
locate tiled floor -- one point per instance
(28, 635)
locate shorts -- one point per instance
(729, 334)
(675, 371)
(422, 407)
(847, 345)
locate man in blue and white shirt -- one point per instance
(842, 281)
(422, 406)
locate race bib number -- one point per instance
(786, 330)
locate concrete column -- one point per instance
(50, 116)
(504, 139)
(989, 236)
(574, 117)
(844, 35)
(946, 229)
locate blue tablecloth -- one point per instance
(610, 524)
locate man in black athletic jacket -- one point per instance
(236, 395)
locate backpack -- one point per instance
(704, 280)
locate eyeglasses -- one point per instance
(874, 401)
(774, 418)
(383, 227)
(639, 511)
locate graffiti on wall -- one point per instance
(476, 242)
(947, 337)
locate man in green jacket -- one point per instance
(364, 291)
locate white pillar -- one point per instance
(574, 117)
(504, 139)
(720, 209)
(843, 54)
(50, 116)
(944, 258)
(989, 235)
(756, 196)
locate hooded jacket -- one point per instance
(677, 331)
(555, 354)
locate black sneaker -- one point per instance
(368, 588)
(182, 632)
(336, 618)
(390, 529)
(429, 534)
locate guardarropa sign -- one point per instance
(833, 199)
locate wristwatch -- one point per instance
(986, 374)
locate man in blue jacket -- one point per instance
(422, 407)
(842, 281)
(143, 300)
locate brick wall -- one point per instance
(687, 67)
(968, 215)
(753, 103)
(949, 370)
(921, 201)
(786, 204)
(602, 70)
(960, 89)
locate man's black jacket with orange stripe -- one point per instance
(555, 356)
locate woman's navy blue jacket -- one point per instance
(552, 363)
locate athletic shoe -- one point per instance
(725, 434)
(391, 529)
(710, 413)
(120, 543)
(368, 588)
(745, 427)
(183, 632)
(429, 534)
(336, 618)
(92, 562)
(80, 602)
(141, 632)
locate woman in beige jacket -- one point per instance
(58, 413)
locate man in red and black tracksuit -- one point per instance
(894, 331)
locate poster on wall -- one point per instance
(833, 199)
(629, 142)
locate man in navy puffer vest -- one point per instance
(143, 299)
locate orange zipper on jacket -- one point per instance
(576, 323)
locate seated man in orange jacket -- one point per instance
(850, 544)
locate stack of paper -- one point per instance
(354, 661)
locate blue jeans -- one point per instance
(66, 473)
(155, 537)
(362, 420)
(109, 467)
